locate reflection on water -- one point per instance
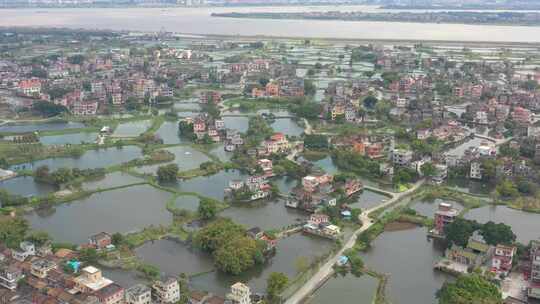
(52, 126)
(132, 128)
(408, 258)
(525, 225)
(26, 186)
(264, 214)
(173, 257)
(72, 139)
(123, 210)
(348, 289)
(90, 159)
(288, 252)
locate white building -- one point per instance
(476, 170)
(240, 294)
(167, 291)
(401, 157)
(138, 294)
(91, 280)
(27, 249)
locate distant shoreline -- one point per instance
(252, 38)
(443, 17)
(462, 8)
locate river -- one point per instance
(198, 21)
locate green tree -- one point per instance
(428, 169)
(309, 88)
(38, 237)
(207, 209)
(308, 110)
(276, 284)
(117, 239)
(469, 289)
(382, 108)
(89, 255)
(316, 141)
(459, 231)
(167, 173)
(370, 102)
(263, 81)
(507, 189)
(48, 109)
(76, 59)
(42, 173)
(497, 233)
(237, 255)
(61, 176)
(301, 264)
(12, 231)
(217, 233)
(258, 130)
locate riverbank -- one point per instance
(330, 38)
(438, 17)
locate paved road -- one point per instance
(326, 269)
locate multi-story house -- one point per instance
(522, 116)
(100, 240)
(26, 249)
(240, 294)
(139, 294)
(310, 183)
(401, 157)
(278, 143)
(441, 173)
(534, 282)
(423, 134)
(199, 125)
(84, 108)
(91, 280)
(111, 294)
(41, 267)
(116, 98)
(266, 166)
(219, 124)
(501, 263)
(444, 216)
(476, 170)
(167, 291)
(10, 276)
(30, 87)
(207, 97)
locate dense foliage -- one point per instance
(65, 175)
(275, 284)
(167, 173)
(461, 230)
(316, 141)
(12, 231)
(354, 162)
(469, 289)
(258, 130)
(208, 209)
(48, 109)
(308, 110)
(232, 250)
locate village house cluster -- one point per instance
(499, 260)
(60, 278)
